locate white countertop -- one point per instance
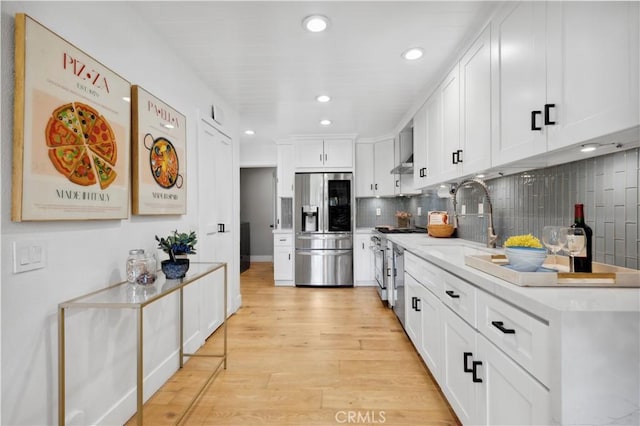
(546, 302)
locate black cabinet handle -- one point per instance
(418, 300)
(289, 256)
(547, 107)
(397, 183)
(533, 120)
(465, 366)
(459, 153)
(388, 272)
(372, 187)
(452, 294)
(413, 302)
(474, 372)
(500, 326)
(376, 185)
(453, 157)
(221, 227)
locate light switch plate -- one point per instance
(480, 208)
(378, 211)
(419, 211)
(28, 255)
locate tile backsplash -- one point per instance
(524, 203)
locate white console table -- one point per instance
(123, 296)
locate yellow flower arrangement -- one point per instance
(523, 241)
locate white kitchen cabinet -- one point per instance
(413, 318)
(592, 69)
(563, 73)
(508, 395)
(364, 272)
(323, 153)
(364, 172)
(433, 138)
(384, 159)
(374, 162)
(519, 82)
(475, 107)
(283, 258)
(403, 149)
(285, 171)
(420, 148)
(446, 148)
(459, 382)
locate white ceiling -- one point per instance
(258, 58)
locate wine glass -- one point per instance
(554, 240)
(576, 242)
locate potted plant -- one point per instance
(177, 245)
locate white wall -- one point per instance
(258, 153)
(84, 256)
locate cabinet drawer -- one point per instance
(518, 334)
(460, 296)
(427, 274)
(282, 240)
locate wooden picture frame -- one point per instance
(159, 168)
(72, 131)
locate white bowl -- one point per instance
(525, 259)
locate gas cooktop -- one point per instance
(389, 230)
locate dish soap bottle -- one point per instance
(583, 260)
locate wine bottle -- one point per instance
(583, 260)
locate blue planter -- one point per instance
(177, 269)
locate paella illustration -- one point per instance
(163, 161)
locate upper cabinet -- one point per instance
(563, 73)
(420, 147)
(326, 153)
(374, 162)
(285, 171)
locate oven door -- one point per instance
(379, 262)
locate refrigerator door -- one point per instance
(324, 268)
(309, 203)
(337, 202)
(341, 241)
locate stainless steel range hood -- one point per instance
(404, 168)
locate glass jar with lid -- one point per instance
(141, 267)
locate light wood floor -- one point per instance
(306, 356)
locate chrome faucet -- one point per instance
(491, 237)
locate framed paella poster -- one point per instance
(159, 153)
(72, 131)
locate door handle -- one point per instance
(534, 114)
(418, 306)
(547, 121)
(465, 365)
(500, 326)
(453, 157)
(397, 183)
(221, 227)
(459, 152)
(474, 372)
(413, 303)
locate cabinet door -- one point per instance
(475, 105)
(431, 342)
(338, 153)
(459, 354)
(413, 319)
(384, 162)
(446, 151)
(434, 137)
(282, 263)
(508, 395)
(519, 82)
(285, 171)
(309, 153)
(364, 173)
(363, 259)
(592, 69)
(420, 148)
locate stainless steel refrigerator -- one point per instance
(323, 225)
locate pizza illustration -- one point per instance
(163, 161)
(81, 144)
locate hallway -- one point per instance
(307, 356)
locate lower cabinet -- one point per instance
(283, 259)
(482, 383)
(364, 268)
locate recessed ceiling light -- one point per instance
(315, 23)
(413, 53)
(589, 147)
(249, 132)
(325, 122)
(323, 98)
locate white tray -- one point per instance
(602, 276)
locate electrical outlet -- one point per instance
(28, 255)
(463, 209)
(419, 211)
(378, 211)
(480, 208)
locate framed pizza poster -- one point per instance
(158, 156)
(72, 131)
